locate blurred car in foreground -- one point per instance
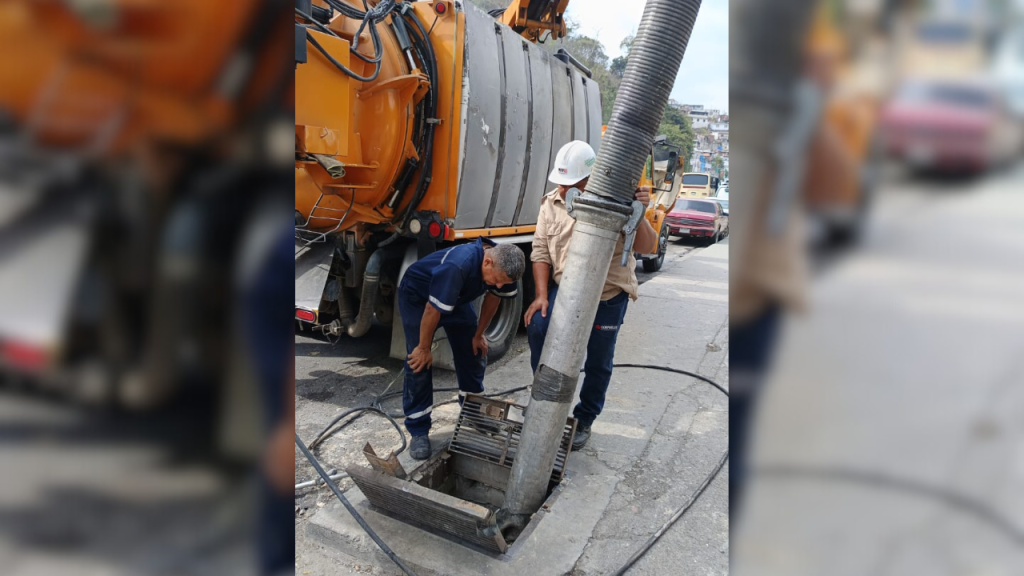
(698, 219)
(950, 125)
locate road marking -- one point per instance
(689, 282)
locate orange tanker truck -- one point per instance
(137, 143)
(419, 125)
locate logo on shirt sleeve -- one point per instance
(606, 328)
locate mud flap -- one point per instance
(40, 270)
(312, 268)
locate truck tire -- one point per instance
(654, 264)
(503, 327)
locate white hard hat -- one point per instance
(573, 163)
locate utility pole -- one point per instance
(603, 212)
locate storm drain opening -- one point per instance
(458, 491)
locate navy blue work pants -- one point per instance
(418, 392)
(600, 351)
(752, 346)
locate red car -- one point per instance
(950, 125)
(697, 219)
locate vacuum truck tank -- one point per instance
(419, 125)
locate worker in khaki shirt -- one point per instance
(550, 250)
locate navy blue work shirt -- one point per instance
(452, 277)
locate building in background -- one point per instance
(699, 119)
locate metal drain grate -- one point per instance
(485, 433)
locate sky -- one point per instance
(704, 75)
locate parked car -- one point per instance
(690, 218)
(724, 203)
(723, 192)
(950, 124)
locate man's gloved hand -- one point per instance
(643, 194)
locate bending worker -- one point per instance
(438, 291)
(550, 251)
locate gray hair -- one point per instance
(510, 259)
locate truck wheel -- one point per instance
(504, 325)
(654, 264)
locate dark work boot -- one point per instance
(581, 437)
(419, 447)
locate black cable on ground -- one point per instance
(696, 494)
(334, 488)
(376, 408)
(679, 514)
(377, 401)
(675, 371)
(961, 502)
(323, 435)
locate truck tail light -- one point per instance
(24, 356)
(305, 315)
(434, 229)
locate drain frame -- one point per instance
(476, 462)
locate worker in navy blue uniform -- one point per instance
(438, 291)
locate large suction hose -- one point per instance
(640, 103)
(600, 216)
(766, 51)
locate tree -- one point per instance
(717, 164)
(618, 67)
(591, 53)
(678, 131)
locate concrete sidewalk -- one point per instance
(659, 436)
(895, 407)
